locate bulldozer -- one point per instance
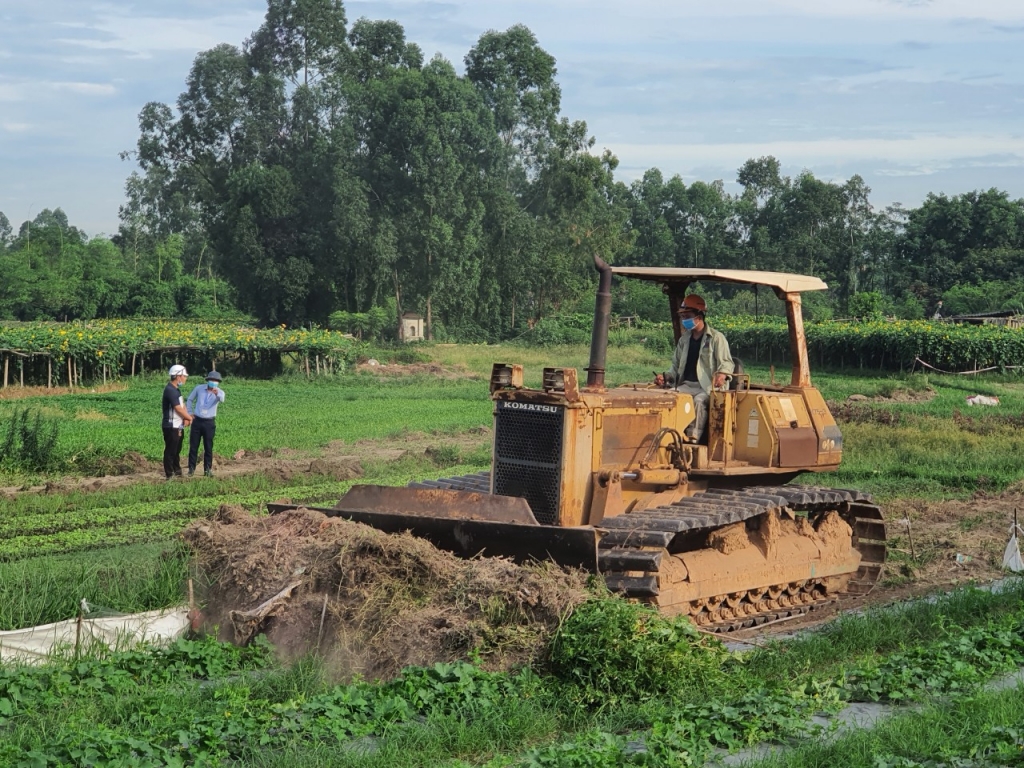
(606, 479)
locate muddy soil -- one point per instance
(370, 602)
(934, 546)
(337, 460)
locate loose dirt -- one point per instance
(372, 603)
(934, 546)
(393, 601)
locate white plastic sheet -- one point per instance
(34, 644)
(1011, 556)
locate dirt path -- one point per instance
(337, 460)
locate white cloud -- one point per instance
(147, 36)
(16, 127)
(912, 150)
(86, 89)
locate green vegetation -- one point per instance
(28, 441)
(98, 349)
(622, 685)
(128, 579)
(287, 412)
(203, 703)
(982, 731)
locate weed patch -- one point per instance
(28, 441)
(612, 650)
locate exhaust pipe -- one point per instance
(599, 333)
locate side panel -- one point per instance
(577, 490)
(755, 433)
(830, 439)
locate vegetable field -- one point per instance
(204, 703)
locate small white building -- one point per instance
(412, 327)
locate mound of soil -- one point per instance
(372, 602)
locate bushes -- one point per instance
(29, 442)
(612, 650)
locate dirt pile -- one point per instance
(371, 602)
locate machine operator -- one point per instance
(701, 361)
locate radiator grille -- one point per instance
(528, 457)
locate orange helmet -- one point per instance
(694, 302)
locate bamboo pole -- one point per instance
(307, 366)
(133, 364)
(71, 376)
(49, 372)
(7, 361)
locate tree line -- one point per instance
(325, 169)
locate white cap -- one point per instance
(177, 370)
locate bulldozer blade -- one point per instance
(449, 520)
(438, 502)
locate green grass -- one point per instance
(143, 577)
(883, 630)
(983, 730)
(285, 412)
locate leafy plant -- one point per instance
(611, 650)
(30, 441)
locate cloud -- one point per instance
(148, 36)
(884, 157)
(16, 127)
(86, 89)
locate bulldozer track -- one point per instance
(633, 546)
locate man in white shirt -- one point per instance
(202, 406)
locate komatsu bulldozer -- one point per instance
(606, 479)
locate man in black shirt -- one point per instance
(175, 419)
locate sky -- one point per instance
(915, 96)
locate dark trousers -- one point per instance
(173, 438)
(201, 428)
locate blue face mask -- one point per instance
(211, 385)
(689, 323)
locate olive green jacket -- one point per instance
(714, 358)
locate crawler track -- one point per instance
(633, 547)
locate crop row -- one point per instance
(882, 345)
(48, 533)
(98, 341)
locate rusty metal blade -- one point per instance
(523, 542)
(438, 503)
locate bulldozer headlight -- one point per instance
(506, 376)
(554, 380)
(563, 382)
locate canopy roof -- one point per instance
(780, 281)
